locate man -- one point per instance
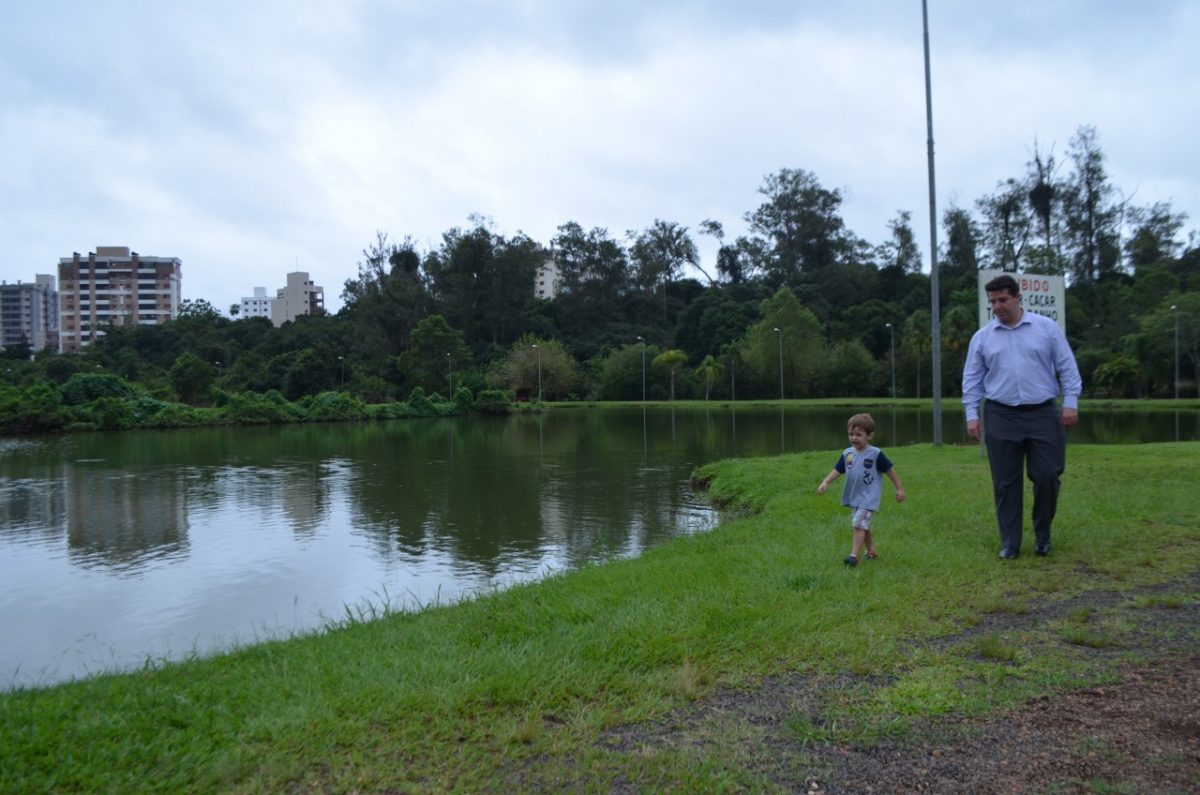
(1017, 365)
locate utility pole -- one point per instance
(935, 298)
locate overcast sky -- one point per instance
(250, 139)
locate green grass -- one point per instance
(520, 686)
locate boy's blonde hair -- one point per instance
(865, 422)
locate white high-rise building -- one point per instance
(258, 305)
(29, 313)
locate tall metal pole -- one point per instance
(643, 342)
(539, 350)
(1175, 309)
(934, 299)
(892, 334)
(450, 372)
(780, 333)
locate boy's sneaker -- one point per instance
(851, 560)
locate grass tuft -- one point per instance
(994, 646)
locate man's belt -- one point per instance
(1022, 406)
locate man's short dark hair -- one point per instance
(1002, 282)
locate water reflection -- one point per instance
(116, 547)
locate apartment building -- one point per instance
(257, 305)
(114, 286)
(29, 313)
(300, 297)
(548, 278)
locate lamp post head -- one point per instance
(1174, 308)
(887, 325)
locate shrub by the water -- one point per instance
(493, 401)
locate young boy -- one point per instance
(862, 464)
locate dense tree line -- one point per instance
(799, 304)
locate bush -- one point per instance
(178, 415)
(35, 409)
(253, 408)
(463, 400)
(419, 404)
(106, 414)
(493, 401)
(85, 387)
(332, 406)
(387, 411)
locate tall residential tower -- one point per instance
(114, 286)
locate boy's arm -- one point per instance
(895, 478)
(832, 476)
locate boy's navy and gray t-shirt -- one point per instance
(864, 476)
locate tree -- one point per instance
(709, 370)
(1091, 218)
(518, 370)
(801, 346)
(619, 374)
(1119, 375)
(727, 261)
(901, 251)
(1006, 224)
(483, 283)
(591, 304)
(850, 371)
(192, 377)
(670, 360)
(799, 224)
(387, 298)
(435, 351)
(198, 309)
(1155, 235)
(917, 340)
(659, 254)
(1158, 333)
(963, 234)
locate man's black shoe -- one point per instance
(1043, 549)
(1008, 553)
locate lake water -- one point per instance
(119, 548)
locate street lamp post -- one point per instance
(643, 342)
(892, 334)
(342, 368)
(1175, 310)
(539, 355)
(450, 372)
(780, 333)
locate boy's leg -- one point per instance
(858, 542)
(869, 543)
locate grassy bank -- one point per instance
(516, 689)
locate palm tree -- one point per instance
(671, 358)
(710, 370)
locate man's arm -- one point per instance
(1068, 378)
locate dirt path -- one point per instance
(1140, 735)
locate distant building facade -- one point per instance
(114, 286)
(548, 279)
(29, 313)
(300, 297)
(257, 305)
